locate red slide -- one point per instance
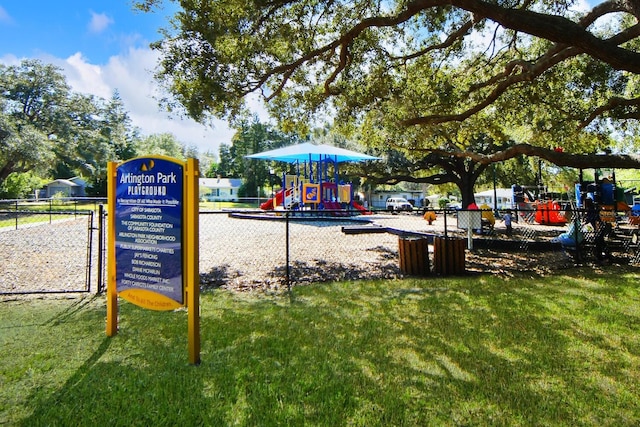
(549, 213)
(361, 208)
(269, 205)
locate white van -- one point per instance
(398, 204)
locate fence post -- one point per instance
(287, 268)
(89, 251)
(445, 222)
(100, 284)
(16, 214)
(576, 234)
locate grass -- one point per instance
(41, 212)
(459, 351)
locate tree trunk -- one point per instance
(466, 185)
(468, 173)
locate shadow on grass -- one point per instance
(413, 352)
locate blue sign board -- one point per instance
(148, 227)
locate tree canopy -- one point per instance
(426, 77)
(49, 131)
(253, 137)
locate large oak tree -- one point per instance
(51, 131)
(427, 77)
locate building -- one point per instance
(505, 198)
(72, 187)
(218, 189)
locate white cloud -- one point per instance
(5, 18)
(130, 74)
(99, 22)
(9, 59)
(84, 77)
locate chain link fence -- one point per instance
(46, 248)
(247, 249)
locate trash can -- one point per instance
(414, 256)
(448, 255)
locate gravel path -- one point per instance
(44, 257)
(247, 253)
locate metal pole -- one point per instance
(288, 269)
(100, 284)
(576, 233)
(495, 192)
(445, 223)
(89, 252)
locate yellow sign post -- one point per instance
(152, 252)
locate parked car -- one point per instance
(396, 204)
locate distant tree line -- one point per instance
(47, 132)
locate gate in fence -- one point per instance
(45, 250)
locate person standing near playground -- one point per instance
(598, 228)
(507, 222)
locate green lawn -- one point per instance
(42, 212)
(460, 351)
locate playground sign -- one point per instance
(153, 232)
(148, 216)
(311, 193)
(471, 220)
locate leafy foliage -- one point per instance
(253, 137)
(46, 130)
(418, 76)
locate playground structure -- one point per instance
(611, 200)
(299, 193)
(538, 205)
(315, 185)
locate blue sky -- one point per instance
(101, 46)
(98, 29)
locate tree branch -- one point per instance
(612, 104)
(558, 158)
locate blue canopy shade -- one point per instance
(308, 152)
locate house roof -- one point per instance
(63, 182)
(221, 182)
